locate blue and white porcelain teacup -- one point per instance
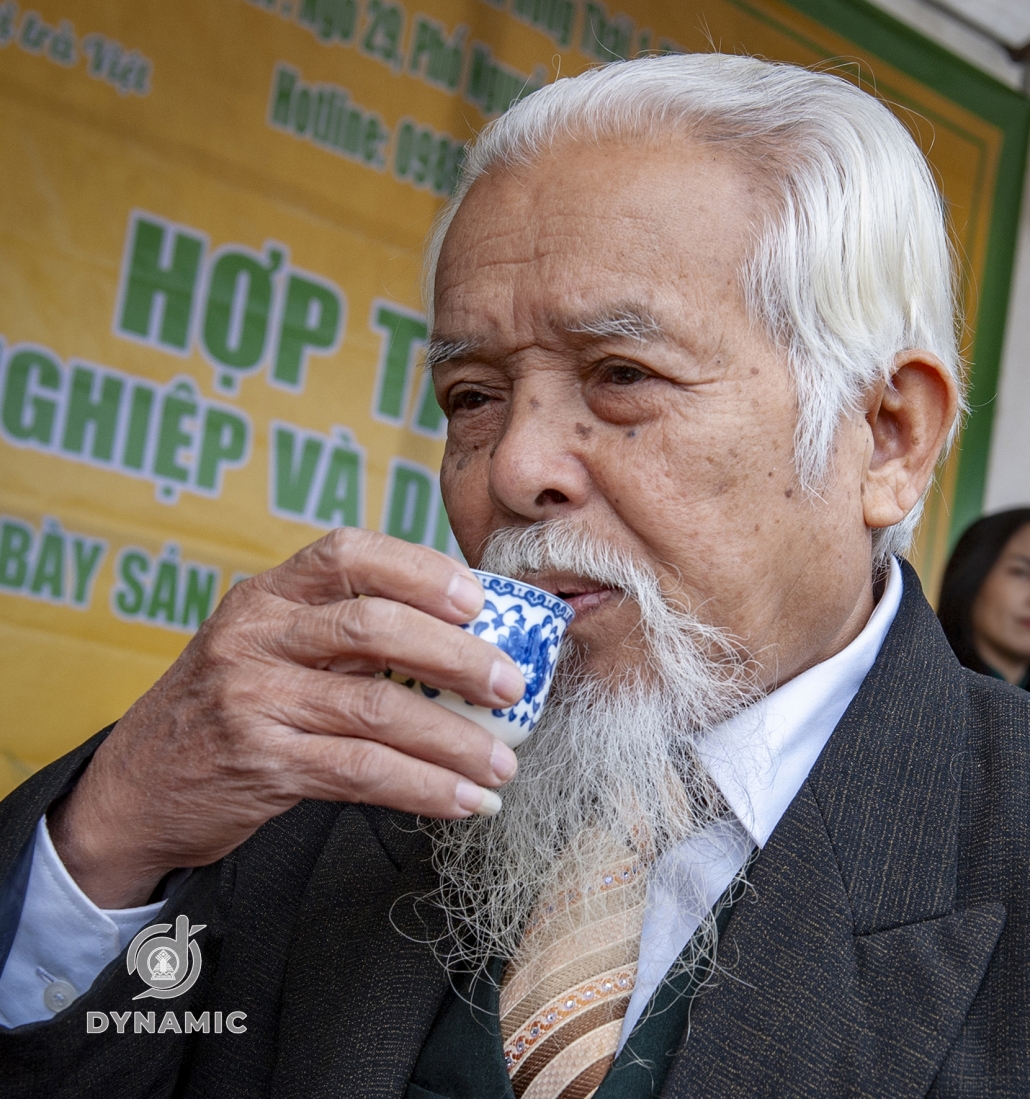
(528, 624)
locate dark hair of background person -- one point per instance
(972, 559)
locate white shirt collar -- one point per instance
(761, 756)
(759, 759)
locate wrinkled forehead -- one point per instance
(588, 226)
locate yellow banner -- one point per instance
(211, 221)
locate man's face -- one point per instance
(603, 370)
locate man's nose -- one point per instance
(536, 468)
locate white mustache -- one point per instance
(558, 545)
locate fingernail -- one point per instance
(506, 681)
(475, 799)
(502, 761)
(466, 594)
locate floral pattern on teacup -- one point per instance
(528, 624)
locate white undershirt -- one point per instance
(759, 759)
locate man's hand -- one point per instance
(274, 700)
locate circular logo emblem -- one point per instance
(169, 966)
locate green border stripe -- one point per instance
(879, 33)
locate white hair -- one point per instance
(613, 765)
(851, 262)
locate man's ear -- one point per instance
(909, 419)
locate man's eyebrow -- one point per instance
(627, 321)
(440, 350)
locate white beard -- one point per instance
(612, 762)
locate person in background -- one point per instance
(985, 597)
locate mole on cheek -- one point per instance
(788, 493)
(583, 431)
(534, 404)
(632, 433)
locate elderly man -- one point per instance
(693, 333)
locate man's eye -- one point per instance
(468, 400)
(623, 374)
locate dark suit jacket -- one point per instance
(885, 951)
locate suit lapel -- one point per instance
(362, 987)
(849, 971)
